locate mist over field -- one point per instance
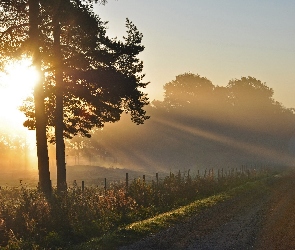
(197, 126)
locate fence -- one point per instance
(211, 173)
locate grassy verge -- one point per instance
(138, 230)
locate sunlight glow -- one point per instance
(18, 81)
(16, 84)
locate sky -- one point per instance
(217, 39)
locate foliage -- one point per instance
(101, 75)
(29, 221)
(87, 78)
(196, 96)
(186, 90)
(249, 91)
(240, 123)
(71, 217)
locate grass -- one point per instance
(140, 229)
(97, 219)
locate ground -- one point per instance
(264, 219)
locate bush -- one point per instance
(30, 221)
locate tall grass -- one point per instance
(30, 221)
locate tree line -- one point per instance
(201, 125)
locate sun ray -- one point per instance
(16, 84)
(254, 149)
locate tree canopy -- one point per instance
(101, 75)
(89, 78)
(248, 91)
(187, 89)
(99, 83)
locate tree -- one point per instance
(188, 97)
(252, 103)
(100, 75)
(20, 35)
(248, 91)
(41, 138)
(72, 12)
(187, 90)
(95, 79)
(60, 146)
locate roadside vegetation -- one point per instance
(95, 218)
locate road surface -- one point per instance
(263, 219)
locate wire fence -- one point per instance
(220, 174)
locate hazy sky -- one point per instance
(217, 39)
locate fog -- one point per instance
(197, 126)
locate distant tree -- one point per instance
(251, 102)
(189, 97)
(87, 148)
(178, 136)
(186, 90)
(250, 92)
(13, 150)
(254, 108)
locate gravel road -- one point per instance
(263, 219)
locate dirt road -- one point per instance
(264, 219)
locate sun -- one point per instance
(16, 84)
(19, 79)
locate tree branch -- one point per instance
(11, 28)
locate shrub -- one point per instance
(30, 221)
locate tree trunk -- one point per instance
(41, 137)
(60, 145)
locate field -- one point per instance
(113, 215)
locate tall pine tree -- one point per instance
(90, 79)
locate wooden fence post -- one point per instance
(105, 185)
(126, 181)
(179, 176)
(83, 186)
